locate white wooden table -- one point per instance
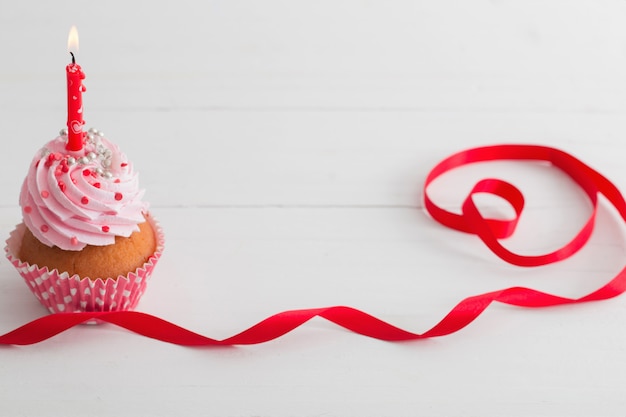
(283, 146)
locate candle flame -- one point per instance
(72, 40)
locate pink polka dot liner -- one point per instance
(62, 293)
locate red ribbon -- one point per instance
(470, 221)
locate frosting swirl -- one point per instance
(73, 199)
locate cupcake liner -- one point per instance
(62, 293)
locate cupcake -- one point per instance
(87, 241)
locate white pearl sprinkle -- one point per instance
(83, 160)
(71, 160)
(107, 174)
(92, 155)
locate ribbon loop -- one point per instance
(500, 229)
(490, 230)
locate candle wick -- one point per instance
(73, 59)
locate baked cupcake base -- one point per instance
(61, 293)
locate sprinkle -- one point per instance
(123, 164)
(37, 163)
(28, 209)
(45, 194)
(44, 228)
(74, 241)
(63, 167)
(96, 184)
(84, 200)
(118, 196)
(105, 229)
(86, 172)
(62, 186)
(117, 181)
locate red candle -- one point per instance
(75, 89)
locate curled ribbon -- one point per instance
(490, 231)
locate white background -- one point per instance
(283, 146)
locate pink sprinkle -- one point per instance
(117, 181)
(84, 200)
(118, 196)
(123, 164)
(44, 228)
(105, 229)
(28, 209)
(86, 172)
(96, 184)
(62, 186)
(74, 241)
(45, 194)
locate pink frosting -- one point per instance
(73, 199)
